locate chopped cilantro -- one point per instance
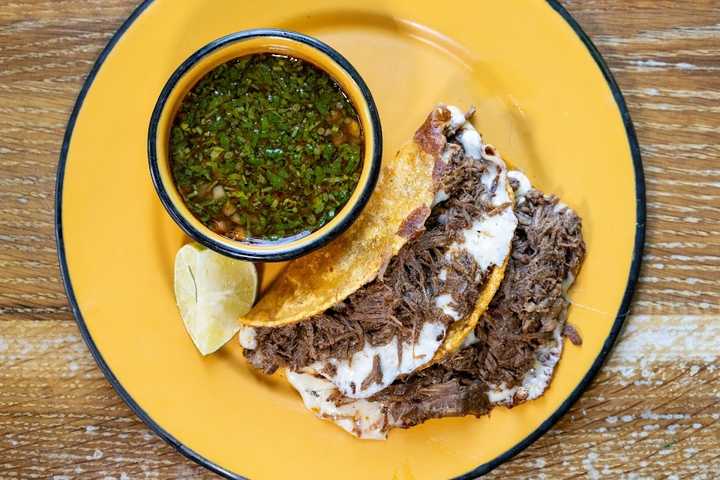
(266, 147)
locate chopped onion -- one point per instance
(219, 226)
(229, 209)
(218, 192)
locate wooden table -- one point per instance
(653, 411)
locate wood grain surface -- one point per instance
(654, 410)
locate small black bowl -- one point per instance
(221, 51)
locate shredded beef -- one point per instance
(450, 388)
(401, 300)
(530, 303)
(572, 334)
(419, 403)
(375, 375)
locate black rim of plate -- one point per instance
(282, 252)
(480, 470)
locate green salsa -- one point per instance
(266, 147)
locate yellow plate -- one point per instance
(544, 98)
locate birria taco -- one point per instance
(510, 356)
(415, 303)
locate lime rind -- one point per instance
(211, 292)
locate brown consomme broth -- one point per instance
(266, 148)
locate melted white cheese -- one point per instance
(536, 380)
(457, 117)
(524, 184)
(349, 374)
(471, 141)
(440, 196)
(488, 240)
(443, 302)
(443, 274)
(501, 395)
(470, 340)
(501, 195)
(361, 418)
(247, 337)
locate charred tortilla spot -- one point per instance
(431, 136)
(414, 224)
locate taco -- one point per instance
(510, 356)
(425, 299)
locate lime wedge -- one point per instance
(212, 291)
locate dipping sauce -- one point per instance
(266, 147)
